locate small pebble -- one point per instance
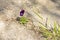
(18, 18)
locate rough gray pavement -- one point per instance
(10, 29)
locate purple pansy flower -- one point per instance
(22, 12)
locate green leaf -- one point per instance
(45, 31)
(55, 27)
(23, 20)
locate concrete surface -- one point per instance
(10, 29)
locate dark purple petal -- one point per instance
(22, 12)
